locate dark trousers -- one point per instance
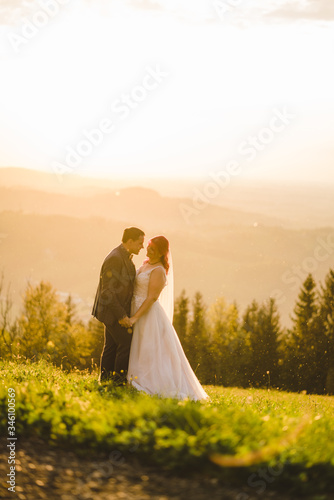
(116, 352)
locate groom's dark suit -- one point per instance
(112, 303)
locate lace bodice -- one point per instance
(141, 285)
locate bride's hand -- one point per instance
(132, 321)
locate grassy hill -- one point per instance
(235, 437)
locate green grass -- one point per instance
(236, 435)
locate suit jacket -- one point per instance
(115, 289)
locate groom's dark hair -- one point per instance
(132, 233)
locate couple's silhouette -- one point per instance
(136, 308)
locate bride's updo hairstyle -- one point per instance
(162, 245)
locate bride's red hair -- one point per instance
(162, 245)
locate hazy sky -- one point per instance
(175, 87)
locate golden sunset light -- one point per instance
(216, 81)
(167, 249)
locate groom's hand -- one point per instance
(125, 322)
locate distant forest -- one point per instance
(223, 346)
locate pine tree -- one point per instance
(250, 327)
(227, 344)
(327, 317)
(218, 340)
(306, 343)
(181, 318)
(198, 346)
(8, 328)
(262, 325)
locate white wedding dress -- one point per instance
(157, 363)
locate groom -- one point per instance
(113, 302)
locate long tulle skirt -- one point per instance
(158, 364)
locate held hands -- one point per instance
(127, 322)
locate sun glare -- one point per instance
(218, 83)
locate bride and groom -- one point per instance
(136, 308)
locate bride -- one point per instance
(157, 363)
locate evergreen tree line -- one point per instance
(222, 346)
(253, 350)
